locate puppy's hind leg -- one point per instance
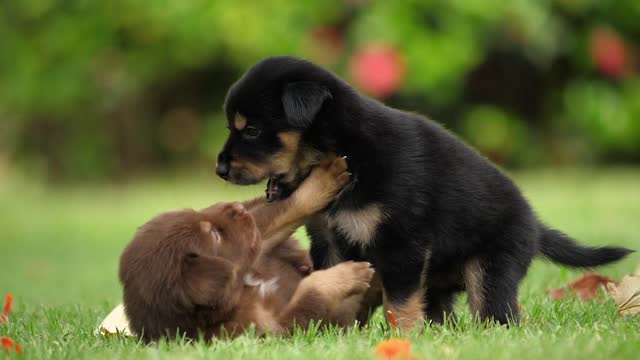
(402, 284)
(320, 294)
(345, 313)
(492, 287)
(439, 302)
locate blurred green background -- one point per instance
(111, 112)
(94, 90)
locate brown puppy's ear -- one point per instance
(302, 101)
(208, 280)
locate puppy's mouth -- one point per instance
(242, 180)
(279, 189)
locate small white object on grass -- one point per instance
(626, 294)
(115, 323)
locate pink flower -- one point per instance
(378, 69)
(610, 53)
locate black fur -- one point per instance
(445, 204)
(302, 100)
(562, 249)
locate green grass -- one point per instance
(59, 254)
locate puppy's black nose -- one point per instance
(223, 169)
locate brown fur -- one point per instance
(371, 300)
(186, 271)
(473, 274)
(408, 313)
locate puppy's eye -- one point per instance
(251, 132)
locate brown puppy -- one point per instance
(219, 271)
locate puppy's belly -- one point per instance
(448, 276)
(282, 264)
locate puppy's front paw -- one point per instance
(337, 170)
(322, 185)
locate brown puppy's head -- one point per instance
(182, 270)
(273, 112)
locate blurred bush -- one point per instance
(94, 89)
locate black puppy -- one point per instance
(432, 215)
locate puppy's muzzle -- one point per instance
(223, 166)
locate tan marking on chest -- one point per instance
(239, 121)
(358, 226)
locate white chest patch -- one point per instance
(358, 226)
(265, 287)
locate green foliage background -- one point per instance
(93, 89)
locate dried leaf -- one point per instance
(587, 287)
(626, 294)
(115, 323)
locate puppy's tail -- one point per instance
(562, 249)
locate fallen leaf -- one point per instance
(395, 349)
(587, 287)
(626, 294)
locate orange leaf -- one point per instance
(397, 349)
(587, 287)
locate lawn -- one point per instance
(59, 255)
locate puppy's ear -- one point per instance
(302, 101)
(207, 279)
